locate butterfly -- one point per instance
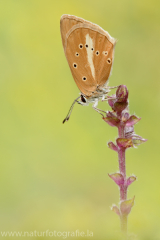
(89, 51)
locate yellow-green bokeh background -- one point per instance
(54, 176)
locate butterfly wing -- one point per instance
(103, 58)
(66, 23)
(89, 52)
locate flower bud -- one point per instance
(111, 119)
(132, 120)
(122, 93)
(124, 142)
(112, 146)
(120, 106)
(126, 206)
(115, 209)
(131, 179)
(117, 178)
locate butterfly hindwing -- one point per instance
(103, 58)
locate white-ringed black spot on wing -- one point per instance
(97, 53)
(109, 61)
(84, 78)
(92, 48)
(86, 45)
(80, 45)
(75, 65)
(77, 54)
(105, 53)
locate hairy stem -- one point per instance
(122, 169)
(123, 219)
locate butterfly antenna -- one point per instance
(70, 110)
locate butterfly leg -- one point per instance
(108, 98)
(106, 89)
(112, 87)
(97, 109)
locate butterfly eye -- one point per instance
(97, 53)
(83, 99)
(75, 65)
(86, 45)
(84, 78)
(77, 54)
(105, 53)
(80, 45)
(109, 61)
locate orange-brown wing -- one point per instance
(73, 39)
(85, 45)
(66, 23)
(103, 58)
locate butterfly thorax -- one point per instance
(95, 96)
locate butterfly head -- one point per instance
(83, 100)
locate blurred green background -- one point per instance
(54, 176)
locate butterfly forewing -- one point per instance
(66, 23)
(89, 51)
(77, 50)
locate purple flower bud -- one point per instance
(117, 178)
(111, 119)
(122, 93)
(132, 120)
(130, 180)
(124, 142)
(112, 146)
(120, 106)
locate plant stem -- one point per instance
(122, 169)
(127, 138)
(123, 219)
